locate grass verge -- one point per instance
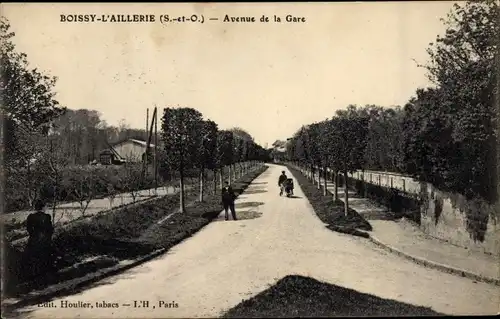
(298, 296)
(329, 211)
(124, 234)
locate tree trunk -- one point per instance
(230, 174)
(54, 202)
(325, 182)
(31, 192)
(221, 176)
(202, 177)
(215, 181)
(336, 181)
(346, 192)
(364, 183)
(182, 207)
(318, 185)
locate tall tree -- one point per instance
(224, 153)
(28, 107)
(207, 154)
(181, 138)
(353, 128)
(241, 133)
(237, 155)
(28, 97)
(456, 122)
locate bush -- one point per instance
(80, 182)
(329, 211)
(74, 182)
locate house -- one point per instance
(129, 150)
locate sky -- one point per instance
(267, 78)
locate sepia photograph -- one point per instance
(250, 160)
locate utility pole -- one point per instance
(156, 153)
(146, 153)
(148, 143)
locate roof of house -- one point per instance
(112, 150)
(135, 141)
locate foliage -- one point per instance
(107, 179)
(339, 142)
(384, 140)
(207, 153)
(224, 153)
(84, 187)
(446, 135)
(238, 151)
(451, 131)
(181, 129)
(134, 179)
(28, 107)
(241, 133)
(27, 94)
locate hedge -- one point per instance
(86, 182)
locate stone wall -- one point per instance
(472, 224)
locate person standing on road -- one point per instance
(39, 252)
(281, 181)
(228, 198)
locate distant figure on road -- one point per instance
(228, 198)
(39, 252)
(281, 180)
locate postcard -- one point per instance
(203, 160)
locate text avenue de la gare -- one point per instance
(151, 18)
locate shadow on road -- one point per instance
(250, 214)
(298, 296)
(259, 183)
(294, 196)
(248, 204)
(256, 191)
(240, 215)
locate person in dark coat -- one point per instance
(228, 198)
(281, 180)
(39, 252)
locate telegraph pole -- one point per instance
(156, 153)
(146, 153)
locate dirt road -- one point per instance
(276, 236)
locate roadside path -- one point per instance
(404, 237)
(276, 236)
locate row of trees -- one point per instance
(337, 145)
(48, 146)
(191, 142)
(42, 139)
(447, 135)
